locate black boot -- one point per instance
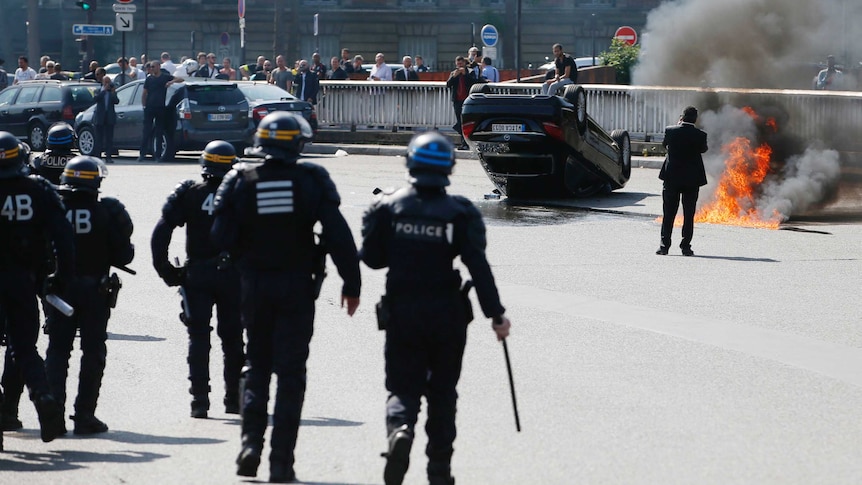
(249, 457)
(50, 417)
(281, 472)
(440, 473)
(398, 456)
(88, 424)
(200, 406)
(231, 402)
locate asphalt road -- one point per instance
(740, 365)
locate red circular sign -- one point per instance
(240, 8)
(125, 1)
(627, 34)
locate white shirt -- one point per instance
(24, 75)
(169, 66)
(383, 72)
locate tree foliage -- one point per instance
(622, 57)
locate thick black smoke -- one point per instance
(773, 44)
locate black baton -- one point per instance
(512, 386)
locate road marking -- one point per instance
(837, 361)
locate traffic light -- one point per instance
(86, 5)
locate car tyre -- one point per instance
(578, 97)
(86, 140)
(480, 89)
(163, 149)
(624, 142)
(36, 136)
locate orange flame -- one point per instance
(734, 204)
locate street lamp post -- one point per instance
(593, 34)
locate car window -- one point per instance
(51, 93)
(28, 94)
(264, 91)
(126, 95)
(6, 96)
(139, 95)
(82, 95)
(215, 94)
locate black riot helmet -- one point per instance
(83, 174)
(12, 156)
(430, 158)
(282, 136)
(217, 159)
(61, 137)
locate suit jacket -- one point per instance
(204, 71)
(312, 86)
(468, 79)
(683, 166)
(406, 75)
(105, 113)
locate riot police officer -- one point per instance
(265, 217)
(208, 278)
(417, 232)
(103, 230)
(58, 152)
(32, 222)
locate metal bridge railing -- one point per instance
(833, 117)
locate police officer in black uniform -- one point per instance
(417, 232)
(208, 278)
(103, 230)
(32, 221)
(58, 152)
(265, 217)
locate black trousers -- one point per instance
(91, 318)
(456, 107)
(12, 383)
(671, 196)
(278, 315)
(205, 287)
(154, 129)
(104, 140)
(18, 299)
(425, 341)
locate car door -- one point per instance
(23, 107)
(49, 106)
(7, 97)
(130, 116)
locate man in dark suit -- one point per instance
(105, 116)
(683, 175)
(406, 72)
(306, 84)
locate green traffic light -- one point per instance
(85, 5)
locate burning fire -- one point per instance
(734, 204)
(745, 169)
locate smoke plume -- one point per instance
(772, 44)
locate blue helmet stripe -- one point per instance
(58, 139)
(432, 156)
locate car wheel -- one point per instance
(480, 89)
(624, 142)
(86, 141)
(578, 97)
(36, 135)
(162, 149)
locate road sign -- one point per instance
(489, 35)
(124, 22)
(125, 8)
(627, 34)
(87, 29)
(125, 1)
(240, 8)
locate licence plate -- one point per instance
(492, 147)
(507, 127)
(219, 116)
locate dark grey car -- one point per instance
(199, 111)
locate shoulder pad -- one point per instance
(120, 218)
(49, 188)
(322, 177)
(228, 184)
(169, 210)
(181, 189)
(466, 204)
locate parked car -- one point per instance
(200, 110)
(29, 108)
(581, 62)
(264, 98)
(537, 146)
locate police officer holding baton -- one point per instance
(265, 217)
(32, 223)
(417, 232)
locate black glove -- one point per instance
(172, 275)
(53, 285)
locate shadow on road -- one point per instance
(738, 258)
(329, 422)
(150, 439)
(70, 460)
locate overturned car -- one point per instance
(538, 146)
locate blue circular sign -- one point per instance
(489, 35)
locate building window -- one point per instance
(418, 3)
(322, 3)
